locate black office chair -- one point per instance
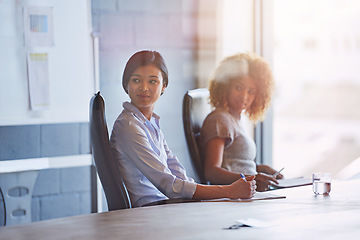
(2, 209)
(195, 109)
(117, 196)
(116, 193)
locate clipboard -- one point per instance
(292, 182)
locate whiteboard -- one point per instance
(70, 60)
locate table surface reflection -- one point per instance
(300, 215)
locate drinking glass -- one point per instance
(321, 183)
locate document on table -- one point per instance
(292, 182)
(257, 196)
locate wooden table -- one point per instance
(301, 215)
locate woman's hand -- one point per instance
(262, 168)
(243, 189)
(264, 181)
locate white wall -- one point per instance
(70, 63)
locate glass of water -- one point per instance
(321, 183)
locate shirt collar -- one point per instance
(134, 110)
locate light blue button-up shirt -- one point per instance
(149, 170)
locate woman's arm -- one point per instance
(238, 189)
(213, 160)
(264, 178)
(175, 166)
(268, 170)
(131, 140)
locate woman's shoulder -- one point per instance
(219, 114)
(126, 121)
(217, 124)
(217, 119)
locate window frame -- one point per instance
(263, 46)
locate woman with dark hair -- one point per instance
(241, 84)
(150, 171)
(144, 58)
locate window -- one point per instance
(316, 59)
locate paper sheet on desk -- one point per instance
(252, 222)
(257, 196)
(292, 182)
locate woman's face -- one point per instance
(145, 87)
(241, 94)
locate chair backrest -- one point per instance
(2, 209)
(196, 107)
(116, 193)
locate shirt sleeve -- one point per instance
(136, 146)
(175, 166)
(217, 125)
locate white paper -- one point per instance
(38, 26)
(252, 222)
(38, 77)
(257, 196)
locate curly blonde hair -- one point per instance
(236, 66)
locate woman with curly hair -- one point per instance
(242, 83)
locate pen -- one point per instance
(277, 173)
(243, 177)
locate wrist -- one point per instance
(260, 167)
(228, 191)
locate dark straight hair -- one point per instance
(144, 58)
